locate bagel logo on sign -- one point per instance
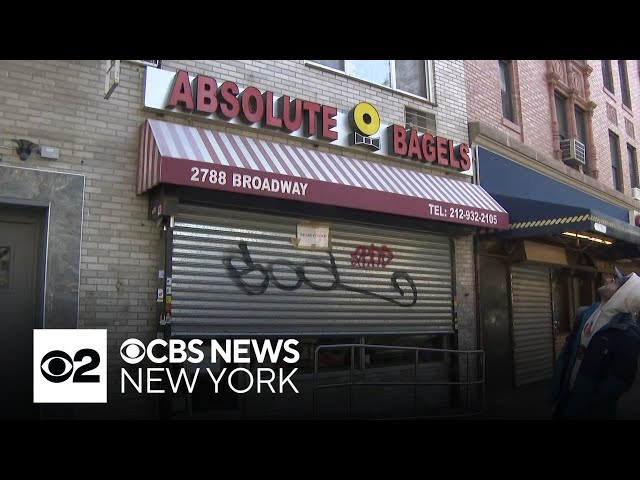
(365, 120)
(404, 142)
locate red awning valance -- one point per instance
(185, 155)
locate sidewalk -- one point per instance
(528, 403)
(532, 403)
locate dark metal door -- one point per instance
(496, 333)
(20, 232)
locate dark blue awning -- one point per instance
(534, 218)
(500, 176)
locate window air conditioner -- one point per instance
(573, 152)
(635, 193)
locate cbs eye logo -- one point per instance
(132, 351)
(69, 366)
(365, 120)
(57, 366)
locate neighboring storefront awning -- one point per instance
(534, 218)
(184, 155)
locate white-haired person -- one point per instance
(598, 362)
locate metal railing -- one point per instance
(456, 354)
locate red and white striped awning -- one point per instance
(184, 155)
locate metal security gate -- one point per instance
(532, 323)
(470, 386)
(239, 273)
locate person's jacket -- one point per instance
(609, 365)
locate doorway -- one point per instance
(496, 323)
(22, 232)
(562, 307)
(572, 290)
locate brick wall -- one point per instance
(466, 291)
(485, 101)
(483, 93)
(467, 323)
(536, 105)
(602, 124)
(60, 103)
(485, 105)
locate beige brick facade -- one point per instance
(60, 103)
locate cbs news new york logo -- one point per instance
(69, 366)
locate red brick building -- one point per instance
(555, 142)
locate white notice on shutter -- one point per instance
(316, 237)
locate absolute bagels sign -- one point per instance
(210, 98)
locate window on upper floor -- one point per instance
(624, 83)
(581, 133)
(571, 124)
(614, 151)
(633, 166)
(561, 114)
(507, 90)
(408, 76)
(564, 127)
(607, 75)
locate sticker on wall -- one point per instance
(160, 295)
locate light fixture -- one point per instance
(587, 237)
(25, 147)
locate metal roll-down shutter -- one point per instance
(532, 323)
(240, 273)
